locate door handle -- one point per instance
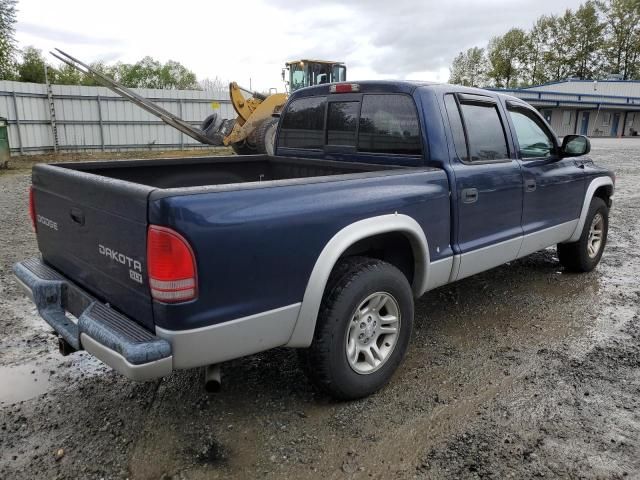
(470, 195)
(530, 185)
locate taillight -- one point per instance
(32, 209)
(171, 266)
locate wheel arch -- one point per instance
(599, 187)
(340, 243)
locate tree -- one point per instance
(8, 46)
(469, 68)
(507, 56)
(175, 76)
(214, 85)
(622, 44)
(558, 57)
(31, 68)
(537, 47)
(146, 73)
(68, 75)
(587, 41)
(150, 73)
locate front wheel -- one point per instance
(363, 329)
(243, 147)
(266, 136)
(585, 254)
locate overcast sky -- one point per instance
(243, 39)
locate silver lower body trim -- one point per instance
(485, 258)
(232, 339)
(438, 272)
(541, 239)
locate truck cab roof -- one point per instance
(399, 86)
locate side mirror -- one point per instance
(575, 145)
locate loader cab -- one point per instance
(306, 73)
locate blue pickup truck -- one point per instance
(377, 193)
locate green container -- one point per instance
(5, 152)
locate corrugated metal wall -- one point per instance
(629, 88)
(95, 118)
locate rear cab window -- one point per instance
(371, 123)
(389, 124)
(342, 123)
(303, 124)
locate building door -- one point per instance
(584, 126)
(614, 124)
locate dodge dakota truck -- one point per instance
(378, 192)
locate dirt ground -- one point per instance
(521, 372)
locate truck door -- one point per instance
(488, 185)
(553, 186)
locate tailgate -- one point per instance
(93, 229)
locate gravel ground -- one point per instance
(524, 371)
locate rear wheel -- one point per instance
(363, 329)
(585, 254)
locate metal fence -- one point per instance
(95, 118)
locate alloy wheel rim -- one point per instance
(373, 333)
(596, 232)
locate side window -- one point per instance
(342, 121)
(303, 124)
(457, 130)
(485, 133)
(389, 124)
(534, 141)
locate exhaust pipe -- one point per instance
(65, 347)
(212, 378)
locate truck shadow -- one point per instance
(266, 396)
(268, 415)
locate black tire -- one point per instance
(265, 136)
(208, 122)
(575, 256)
(244, 148)
(352, 281)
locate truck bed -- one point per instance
(211, 171)
(92, 217)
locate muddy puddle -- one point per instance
(26, 381)
(22, 382)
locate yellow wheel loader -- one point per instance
(253, 130)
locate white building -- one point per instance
(596, 108)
